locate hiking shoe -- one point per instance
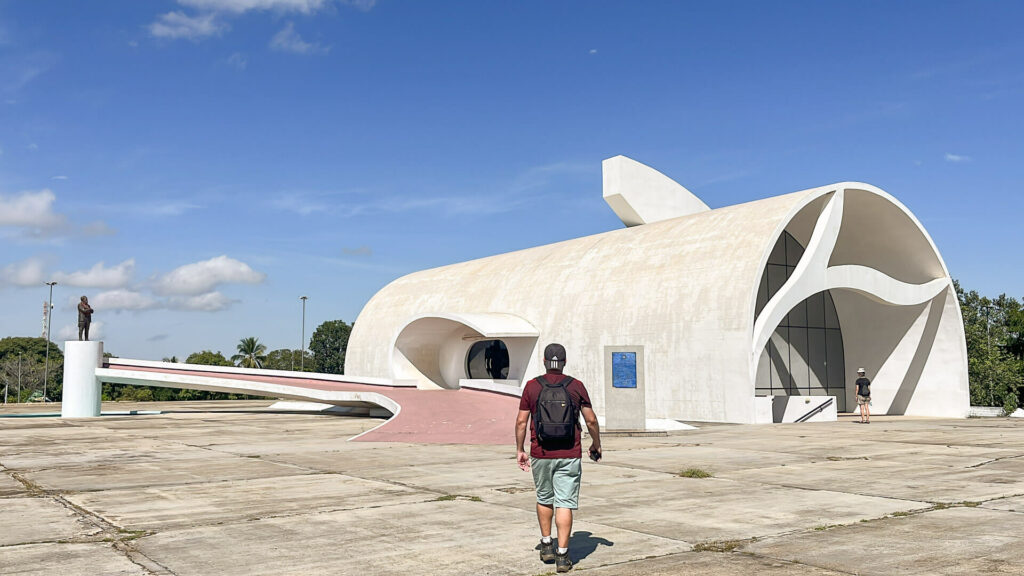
(547, 551)
(562, 562)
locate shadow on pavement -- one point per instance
(582, 544)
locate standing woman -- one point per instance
(864, 396)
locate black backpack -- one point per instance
(555, 417)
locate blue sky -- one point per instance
(195, 166)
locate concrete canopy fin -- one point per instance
(488, 324)
(640, 194)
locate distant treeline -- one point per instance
(22, 364)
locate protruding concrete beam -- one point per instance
(640, 194)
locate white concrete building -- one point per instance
(694, 314)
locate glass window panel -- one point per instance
(816, 310)
(793, 250)
(798, 360)
(840, 395)
(831, 318)
(762, 294)
(778, 350)
(776, 278)
(778, 255)
(816, 360)
(764, 377)
(836, 367)
(798, 315)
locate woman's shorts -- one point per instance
(862, 400)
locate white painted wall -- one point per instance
(685, 290)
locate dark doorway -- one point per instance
(487, 359)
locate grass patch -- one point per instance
(717, 546)
(127, 535)
(695, 473)
(970, 504)
(940, 506)
(450, 497)
(899, 514)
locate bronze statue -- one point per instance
(84, 318)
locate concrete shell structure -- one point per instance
(712, 321)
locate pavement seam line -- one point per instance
(996, 460)
(119, 537)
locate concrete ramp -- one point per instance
(419, 416)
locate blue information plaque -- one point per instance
(624, 369)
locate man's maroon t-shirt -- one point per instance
(528, 401)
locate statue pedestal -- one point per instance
(82, 391)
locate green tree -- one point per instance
(992, 327)
(286, 359)
(172, 359)
(23, 359)
(251, 353)
(208, 358)
(328, 345)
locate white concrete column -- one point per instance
(82, 391)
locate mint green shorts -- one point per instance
(557, 481)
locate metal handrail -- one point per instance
(815, 411)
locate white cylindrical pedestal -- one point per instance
(82, 391)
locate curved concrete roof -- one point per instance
(685, 290)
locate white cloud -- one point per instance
(180, 25)
(202, 277)
(207, 21)
(30, 272)
(237, 60)
(956, 158)
(58, 178)
(33, 146)
(209, 302)
(243, 6)
(361, 251)
(593, 51)
(99, 276)
(30, 210)
(97, 229)
(288, 40)
(121, 300)
(70, 332)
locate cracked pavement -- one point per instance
(227, 488)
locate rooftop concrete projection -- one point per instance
(250, 494)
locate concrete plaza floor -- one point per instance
(251, 493)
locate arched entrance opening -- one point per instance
(805, 355)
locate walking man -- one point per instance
(555, 402)
(84, 318)
(864, 396)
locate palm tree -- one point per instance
(251, 354)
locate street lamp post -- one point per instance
(988, 351)
(49, 321)
(302, 352)
(19, 378)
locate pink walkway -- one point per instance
(427, 416)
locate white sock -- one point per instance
(562, 550)
(546, 539)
